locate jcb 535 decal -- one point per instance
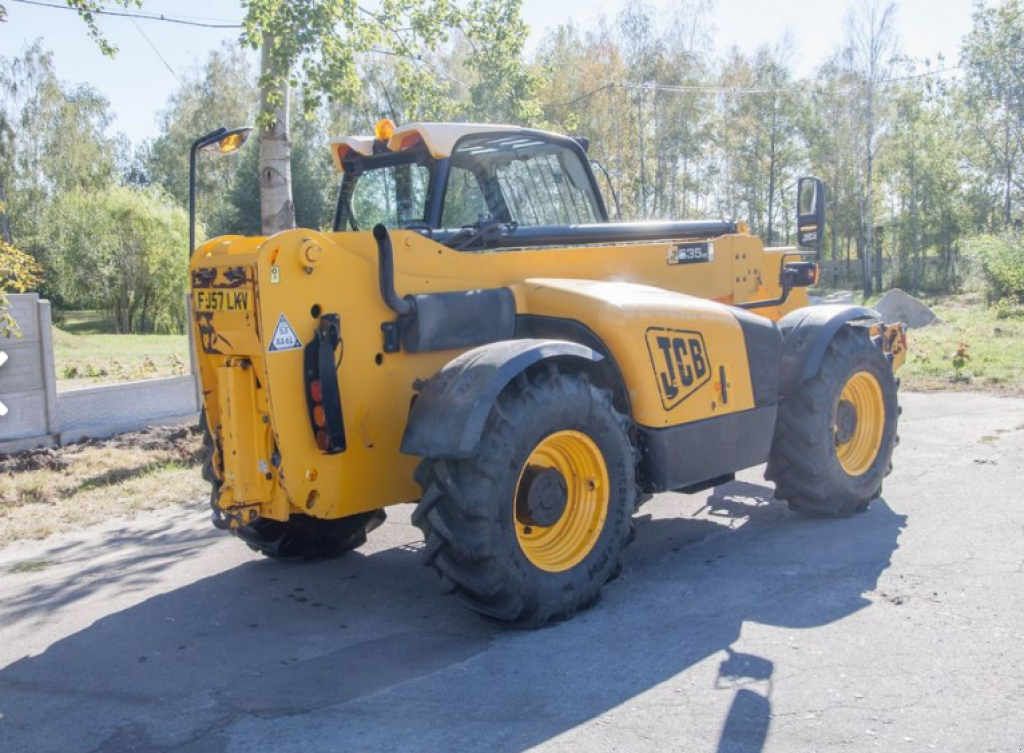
(681, 363)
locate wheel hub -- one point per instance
(545, 495)
(561, 501)
(846, 422)
(860, 423)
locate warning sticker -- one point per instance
(284, 337)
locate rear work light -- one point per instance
(323, 395)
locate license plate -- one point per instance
(223, 300)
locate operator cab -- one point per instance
(465, 186)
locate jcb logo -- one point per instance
(680, 361)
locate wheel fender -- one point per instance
(806, 334)
(448, 415)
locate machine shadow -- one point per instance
(255, 645)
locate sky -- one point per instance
(139, 81)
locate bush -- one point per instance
(999, 261)
(122, 250)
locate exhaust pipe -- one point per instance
(386, 273)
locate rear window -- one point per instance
(394, 196)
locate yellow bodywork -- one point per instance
(255, 393)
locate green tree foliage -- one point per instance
(917, 161)
(318, 45)
(922, 172)
(52, 140)
(993, 97)
(222, 91)
(19, 273)
(761, 145)
(123, 250)
(88, 10)
(1000, 261)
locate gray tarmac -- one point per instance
(736, 626)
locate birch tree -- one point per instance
(872, 44)
(993, 53)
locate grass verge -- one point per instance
(49, 491)
(87, 353)
(995, 348)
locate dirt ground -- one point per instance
(49, 491)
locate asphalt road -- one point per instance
(736, 626)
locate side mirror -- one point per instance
(810, 213)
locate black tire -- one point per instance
(209, 473)
(303, 538)
(803, 462)
(299, 538)
(467, 510)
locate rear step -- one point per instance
(711, 483)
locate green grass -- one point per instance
(86, 353)
(86, 323)
(995, 347)
(994, 337)
(30, 566)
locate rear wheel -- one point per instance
(835, 434)
(530, 528)
(301, 537)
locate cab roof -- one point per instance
(439, 139)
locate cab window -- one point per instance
(518, 178)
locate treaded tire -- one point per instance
(803, 462)
(299, 538)
(302, 537)
(466, 513)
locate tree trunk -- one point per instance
(915, 224)
(1007, 206)
(771, 188)
(643, 170)
(863, 245)
(869, 242)
(5, 218)
(276, 207)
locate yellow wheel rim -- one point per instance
(860, 423)
(561, 501)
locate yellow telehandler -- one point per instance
(478, 338)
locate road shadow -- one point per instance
(364, 654)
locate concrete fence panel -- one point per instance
(27, 387)
(38, 416)
(102, 411)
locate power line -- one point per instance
(143, 16)
(155, 50)
(719, 89)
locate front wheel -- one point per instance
(835, 433)
(530, 528)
